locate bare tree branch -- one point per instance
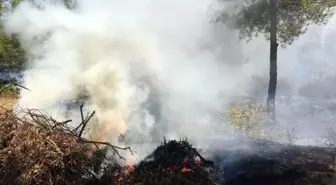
(8, 82)
(115, 148)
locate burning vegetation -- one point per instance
(37, 149)
(107, 59)
(41, 150)
(173, 162)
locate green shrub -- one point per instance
(9, 89)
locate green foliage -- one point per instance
(70, 4)
(294, 16)
(9, 89)
(14, 3)
(12, 56)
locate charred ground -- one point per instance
(48, 153)
(42, 150)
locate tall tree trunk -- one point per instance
(273, 61)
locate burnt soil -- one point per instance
(261, 163)
(265, 162)
(48, 154)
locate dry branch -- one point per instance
(115, 148)
(8, 82)
(84, 123)
(31, 154)
(37, 149)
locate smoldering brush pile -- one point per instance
(42, 150)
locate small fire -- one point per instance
(109, 122)
(184, 170)
(130, 169)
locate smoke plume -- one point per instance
(152, 68)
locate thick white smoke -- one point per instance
(108, 46)
(192, 67)
(68, 49)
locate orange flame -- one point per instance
(102, 131)
(130, 169)
(184, 170)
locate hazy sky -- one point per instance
(313, 53)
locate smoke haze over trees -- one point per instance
(201, 63)
(151, 70)
(288, 19)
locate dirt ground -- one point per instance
(7, 102)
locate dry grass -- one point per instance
(7, 102)
(246, 118)
(251, 119)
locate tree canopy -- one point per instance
(12, 56)
(294, 16)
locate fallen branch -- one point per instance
(115, 148)
(57, 124)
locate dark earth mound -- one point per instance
(173, 162)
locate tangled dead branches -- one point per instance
(41, 119)
(33, 155)
(45, 151)
(37, 149)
